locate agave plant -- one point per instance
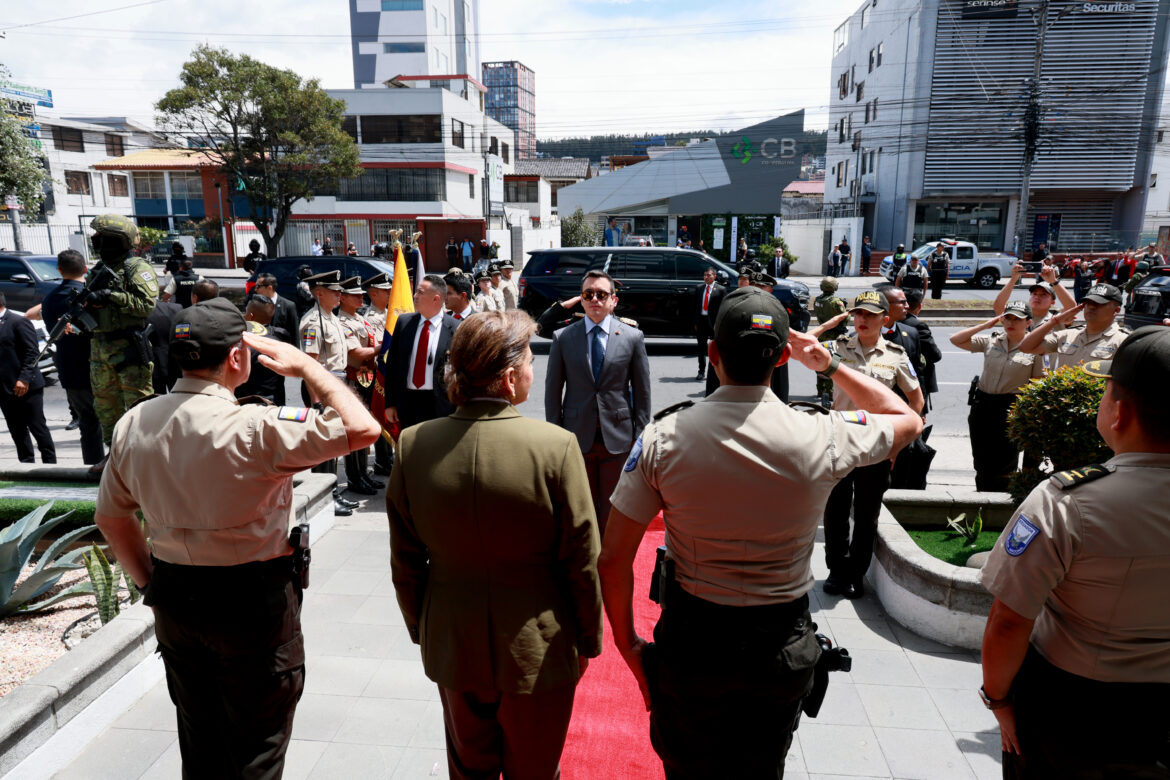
(17, 543)
(968, 529)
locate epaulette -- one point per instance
(895, 346)
(1066, 480)
(672, 409)
(142, 400)
(254, 399)
(1077, 325)
(843, 338)
(628, 321)
(255, 327)
(808, 407)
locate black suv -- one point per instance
(25, 279)
(285, 270)
(656, 284)
(1149, 303)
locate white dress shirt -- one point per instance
(432, 344)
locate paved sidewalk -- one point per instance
(909, 709)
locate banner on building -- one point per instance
(991, 9)
(41, 97)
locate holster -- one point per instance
(973, 391)
(833, 659)
(298, 540)
(661, 577)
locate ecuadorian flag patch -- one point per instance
(292, 413)
(761, 322)
(182, 330)
(857, 418)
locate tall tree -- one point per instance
(22, 173)
(278, 138)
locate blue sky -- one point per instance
(601, 65)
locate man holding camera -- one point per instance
(220, 570)
(734, 650)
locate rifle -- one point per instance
(100, 277)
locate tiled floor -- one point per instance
(909, 709)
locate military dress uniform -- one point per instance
(734, 648)
(826, 306)
(383, 452)
(225, 597)
(861, 491)
(359, 377)
(324, 338)
(121, 369)
(509, 289)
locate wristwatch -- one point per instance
(993, 704)
(834, 361)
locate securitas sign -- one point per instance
(1108, 8)
(990, 9)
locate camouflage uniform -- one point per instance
(826, 306)
(117, 372)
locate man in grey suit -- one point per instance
(598, 387)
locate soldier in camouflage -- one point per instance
(826, 306)
(120, 368)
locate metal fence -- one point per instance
(40, 239)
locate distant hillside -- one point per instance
(596, 146)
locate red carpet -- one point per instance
(609, 736)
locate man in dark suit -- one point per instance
(703, 309)
(929, 350)
(72, 356)
(22, 388)
(598, 387)
(415, 388)
(166, 369)
(896, 331)
(284, 319)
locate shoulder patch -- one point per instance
(1073, 477)
(293, 413)
(628, 321)
(147, 276)
(635, 454)
(896, 347)
(254, 399)
(672, 409)
(1023, 533)
(255, 327)
(857, 417)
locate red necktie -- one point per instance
(458, 316)
(706, 297)
(420, 356)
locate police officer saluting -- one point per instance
(734, 649)
(1076, 653)
(219, 570)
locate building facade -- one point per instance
(511, 100)
(927, 120)
(557, 171)
(412, 38)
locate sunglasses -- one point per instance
(589, 295)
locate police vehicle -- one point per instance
(968, 264)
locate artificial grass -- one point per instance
(949, 546)
(12, 509)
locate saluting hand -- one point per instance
(991, 323)
(284, 359)
(807, 351)
(827, 325)
(1066, 317)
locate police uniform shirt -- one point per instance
(173, 284)
(1005, 368)
(886, 362)
(167, 451)
(1074, 346)
(498, 296)
(377, 318)
(485, 301)
(1037, 323)
(511, 292)
(325, 338)
(1094, 578)
(746, 441)
(357, 334)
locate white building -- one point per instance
(413, 38)
(1158, 200)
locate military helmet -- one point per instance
(116, 225)
(829, 284)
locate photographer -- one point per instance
(734, 649)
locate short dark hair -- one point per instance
(71, 262)
(205, 290)
(914, 296)
(187, 264)
(886, 289)
(264, 280)
(437, 284)
(598, 274)
(748, 367)
(1152, 410)
(460, 284)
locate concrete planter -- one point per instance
(35, 710)
(934, 599)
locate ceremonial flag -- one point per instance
(401, 302)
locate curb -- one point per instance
(44, 703)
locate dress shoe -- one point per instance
(361, 489)
(835, 585)
(73, 425)
(345, 502)
(376, 484)
(382, 471)
(341, 509)
(702, 375)
(855, 590)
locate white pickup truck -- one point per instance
(968, 264)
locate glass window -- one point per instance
(840, 37)
(385, 184)
(403, 5)
(879, 55)
(964, 253)
(504, 152)
(457, 137)
(864, 17)
(349, 126)
(68, 140)
(569, 263)
(471, 185)
(45, 268)
(149, 185)
(642, 265)
(405, 47)
(114, 145)
(77, 182)
(10, 268)
(414, 129)
(874, 114)
(188, 186)
(690, 267)
(872, 59)
(119, 186)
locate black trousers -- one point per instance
(861, 491)
(938, 280)
(702, 336)
(726, 685)
(383, 453)
(994, 455)
(1073, 727)
(416, 406)
(81, 402)
(26, 414)
(230, 639)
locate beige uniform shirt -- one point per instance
(485, 302)
(1074, 346)
(1005, 369)
(377, 320)
(214, 479)
(886, 362)
(357, 329)
(511, 293)
(324, 337)
(742, 441)
(497, 294)
(1091, 564)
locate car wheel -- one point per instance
(987, 279)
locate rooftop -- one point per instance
(158, 159)
(555, 168)
(806, 188)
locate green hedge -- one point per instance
(12, 509)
